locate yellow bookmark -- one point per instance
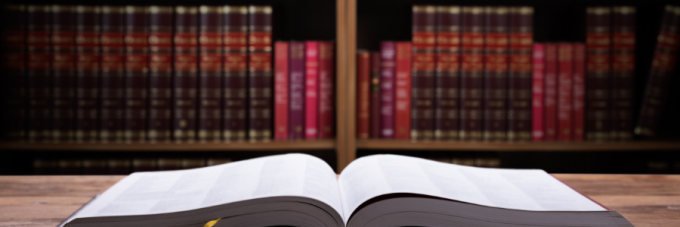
(211, 223)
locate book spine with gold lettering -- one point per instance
(424, 24)
(119, 166)
(565, 59)
(598, 73)
(13, 69)
(136, 70)
(169, 163)
(160, 73)
(326, 90)
(495, 72)
(112, 73)
(579, 88)
(260, 72)
(140, 164)
(374, 117)
(363, 93)
(63, 72)
(235, 45)
(296, 111)
(38, 72)
(519, 81)
(87, 80)
(281, 90)
(447, 77)
(185, 78)
(538, 106)
(660, 75)
(210, 70)
(388, 51)
(623, 71)
(550, 117)
(402, 91)
(472, 70)
(311, 89)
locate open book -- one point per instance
(379, 190)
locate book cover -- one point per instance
(424, 22)
(447, 75)
(565, 59)
(160, 73)
(112, 75)
(235, 89)
(13, 59)
(363, 94)
(210, 74)
(281, 100)
(87, 77)
(63, 72)
(538, 108)
(260, 72)
(623, 71)
(519, 83)
(374, 117)
(495, 105)
(311, 89)
(185, 74)
(472, 70)
(579, 88)
(38, 72)
(550, 89)
(297, 90)
(326, 128)
(402, 91)
(387, 71)
(136, 70)
(598, 73)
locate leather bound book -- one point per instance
(598, 59)
(119, 166)
(495, 73)
(326, 90)
(579, 88)
(550, 88)
(191, 163)
(363, 93)
(472, 70)
(447, 77)
(169, 164)
(281, 91)
(402, 92)
(13, 59)
(538, 77)
(210, 79)
(38, 72)
(297, 91)
(112, 76)
(217, 161)
(311, 89)
(565, 59)
(374, 116)
(136, 69)
(63, 72)
(160, 73)
(260, 72)
(95, 166)
(623, 71)
(70, 166)
(235, 34)
(387, 70)
(143, 164)
(185, 78)
(519, 83)
(424, 22)
(87, 80)
(660, 76)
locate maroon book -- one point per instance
(472, 69)
(14, 69)
(447, 78)
(160, 73)
(297, 90)
(598, 61)
(520, 81)
(210, 79)
(496, 46)
(112, 73)
(136, 68)
(185, 74)
(87, 65)
(326, 90)
(424, 22)
(623, 71)
(235, 32)
(260, 73)
(63, 72)
(375, 96)
(363, 90)
(38, 72)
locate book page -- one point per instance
(172, 191)
(534, 190)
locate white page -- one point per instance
(171, 191)
(534, 190)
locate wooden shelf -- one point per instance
(377, 144)
(274, 145)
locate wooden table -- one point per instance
(645, 200)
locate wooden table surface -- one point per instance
(645, 200)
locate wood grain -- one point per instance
(434, 145)
(341, 113)
(271, 145)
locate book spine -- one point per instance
(210, 69)
(87, 79)
(94, 166)
(297, 90)
(45, 166)
(14, 68)
(422, 79)
(160, 73)
(374, 117)
(235, 43)
(112, 74)
(550, 88)
(38, 72)
(326, 90)
(281, 91)
(472, 68)
(63, 72)
(495, 73)
(519, 83)
(190, 163)
(143, 164)
(402, 91)
(119, 166)
(136, 69)
(363, 93)
(185, 74)
(579, 89)
(623, 71)
(565, 91)
(70, 166)
(598, 58)
(169, 163)
(387, 71)
(538, 77)
(260, 72)
(447, 78)
(311, 89)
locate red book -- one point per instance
(550, 89)
(63, 73)
(472, 69)
(375, 96)
(363, 93)
(87, 64)
(14, 68)
(260, 76)
(388, 58)
(623, 71)
(235, 88)
(136, 68)
(38, 72)
(186, 74)
(579, 91)
(311, 89)
(598, 73)
(424, 38)
(519, 83)
(447, 77)
(402, 92)
(496, 73)
(210, 70)
(326, 90)
(160, 73)
(112, 73)
(281, 90)
(565, 63)
(538, 77)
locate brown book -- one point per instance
(260, 73)
(210, 70)
(217, 161)
(598, 75)
(472, 69)
(63, 72)
(95, 166)
(38, 72)
(447, 78)
(235, 46)
(191, 163)
(160, 73)
(14, 68)
(70, 166)
(119, 166)
(363, 93)
(623, 71)
(424, 22)
(375, 96)
(143, 164)
(136, 70)
(185, 74)
(169, 163)
(87, 80)
(496, 46)
(112, 74)
(520, 81)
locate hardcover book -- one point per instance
(550, 117)
(210, 74)
(13, 64)
(235, 89)
(598, 59)
(260, 72)
(447, 77)
(519, 83)
(565, 59)
(472, 70)
(297, 90)
(495, 73)
(538, 77)
(38, 72)
(402, 91)
(185, 74)
(281, 91)
(136, 69)
(422, 79)
(388, 51)
(326, 128)
(311, 89)
(112, 73)
(363, 93)
(87, 78)
(623, 71)
(375, 96)
(63, 73)
(160, 73)
(579, 88)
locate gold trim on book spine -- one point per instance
(424, 9)
(235, 9)
(473, 9)
(61, 8)
(260, 9)
(38, 8)
(113, 9)
(160, 9)
(598, 10)
(88, 9)
(186, 9)
(136, 9)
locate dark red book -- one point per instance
(311, 89)
(326, 90)
(136, 69)
(519, 81)
(160, 73)
(579, 69)
(210, 79)
(63, 72)
(388, 59)
(472, 69)
(87, 82)
(297, 90)
(538, 133)
(660, 76)
(363, 94)
(447, 77)
(550, 117)
(281, 91)
(235, 33)
(112, 73)
(565, 59)
(260, 72)
(185, 74)
(38, 72)
(623, 71)
(402, 92)
(424, 22)
(496, 46)
(14, 68)
(598, 73)
(375, 96)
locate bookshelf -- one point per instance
(272, 145)
(376, 144)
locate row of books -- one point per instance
(118, 166)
